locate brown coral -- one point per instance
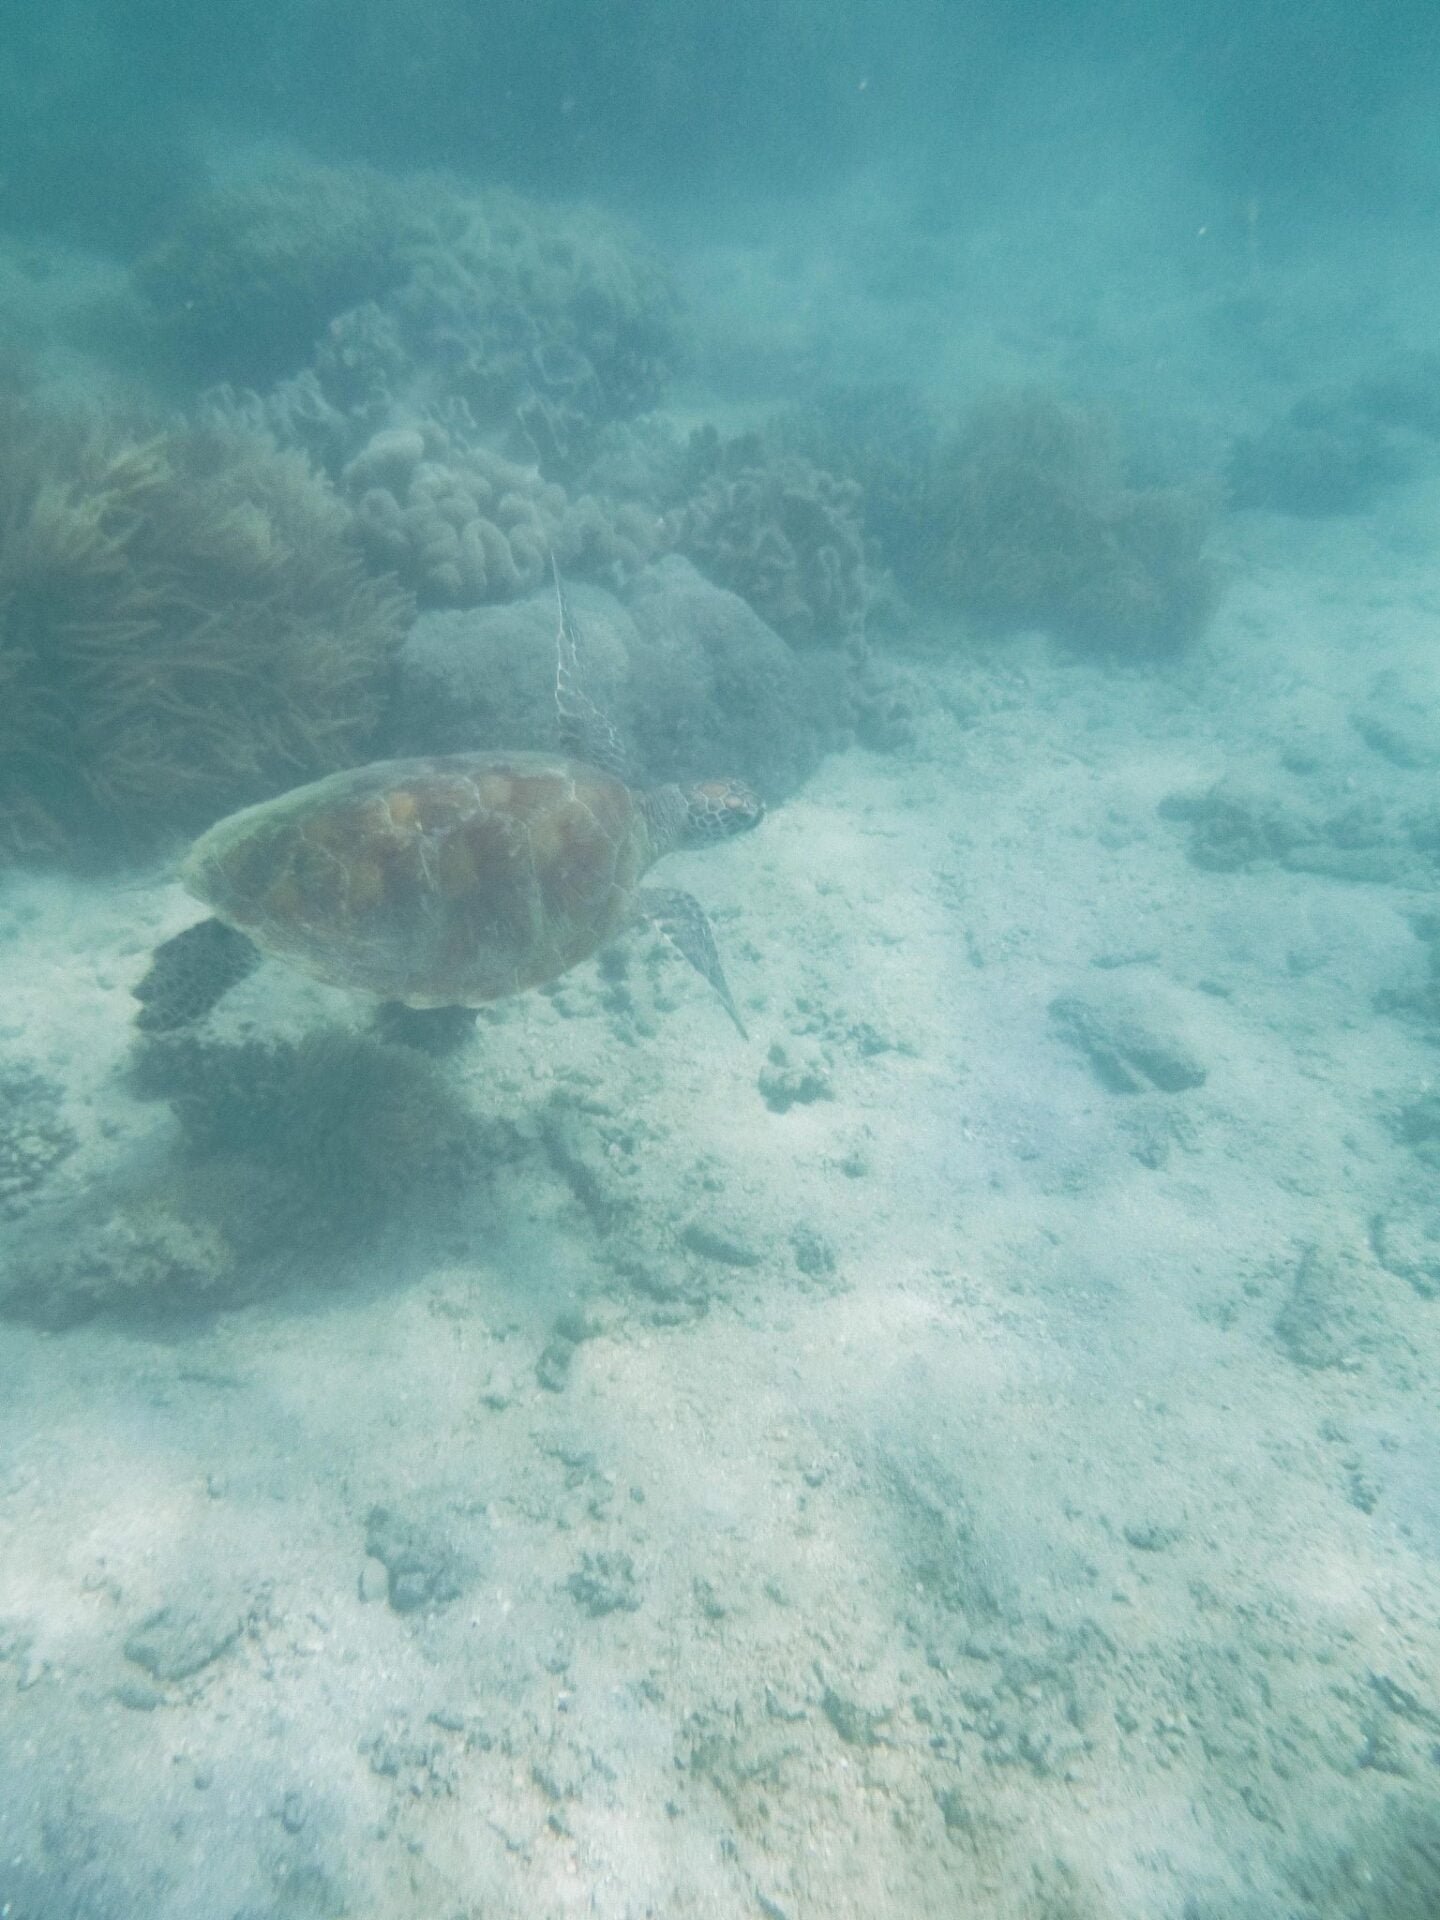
(404, 293)
(1039, 527)
(185, 624)
(463, 526)
(545, 321)
(783, 534)
(254, 270)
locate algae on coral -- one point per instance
(253, 270)
(1038, 527)
(186, 624)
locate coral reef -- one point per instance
(254, 270)
(186, 624)
(484, 677)
(543, 322)
(782, 533)
(694, 679)
(464, 526)
(716, 689)
(402, 296)
(880, 438)
(1040, 528)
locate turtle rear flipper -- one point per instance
(685, 924)
(432, 1030)
(189, 974)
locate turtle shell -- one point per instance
(437, 882)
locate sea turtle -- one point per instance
(448, 881)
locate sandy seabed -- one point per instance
(972, 1450)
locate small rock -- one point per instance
(1417, 1126)
(715, 1241)
(1151, 1536)
(374, 1582)
(605, 1583)
(1128, 1049)
(139, 1696)
(785, 1082)
(813, 1253)
(32, 1671)
(576, 1150)
(176, 1642)
(856, 1726)
(707, 1599)
(1233, 828)
(423, 1568)
(1323, 1322)
(499, 1390)
(552, 1369)
(577, 1326)
(957, 1813)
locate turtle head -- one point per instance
(718, 810)
(698, 816)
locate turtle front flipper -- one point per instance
(684, 923)
(189, 974)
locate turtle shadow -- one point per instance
(292, 1162)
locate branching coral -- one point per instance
(1039, 527)
(186, 623)
(783, 534)
(464, 526)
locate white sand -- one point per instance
(1014, 1567)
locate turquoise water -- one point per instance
(894, 1372)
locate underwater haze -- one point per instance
(720, 1061)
